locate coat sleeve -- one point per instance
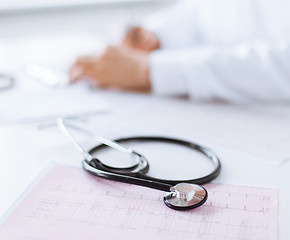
(176, 26)
(250, 71)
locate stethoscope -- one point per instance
(180, 194)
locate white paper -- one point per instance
(49, 103)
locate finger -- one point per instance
(132, 37)
(91, 75)
(84, 60)
(87, 59)
(75, 73)
(98, 84)
(81, 67)
(136, 36)
(149, 41)
(80, 70)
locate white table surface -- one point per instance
(26, 151)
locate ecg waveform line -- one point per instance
(69, 203)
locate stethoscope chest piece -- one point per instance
(184, 196)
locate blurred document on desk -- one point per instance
(49, 103)
(68, 203)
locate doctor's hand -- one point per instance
(142, 39)
(117, 67)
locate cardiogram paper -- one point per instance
(68, 203)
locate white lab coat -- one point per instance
(236, 50)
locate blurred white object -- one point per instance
(50, 52)
(6, 81)
(52, 78)
(18, 5)
(46, 104)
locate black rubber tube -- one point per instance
(140, 177)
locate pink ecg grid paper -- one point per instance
(68, 203)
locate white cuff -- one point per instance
(166, 73)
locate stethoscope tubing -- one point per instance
(179, 194)
(137, 173)
(126, 178)
(140, 177)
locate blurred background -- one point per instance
(62, 29)
(52, 34)
(30, 17)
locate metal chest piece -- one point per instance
(184, 196)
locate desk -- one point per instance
(247, 148)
